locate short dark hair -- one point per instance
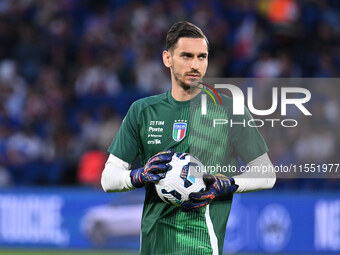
(183, 29)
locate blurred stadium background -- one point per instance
(69, 70)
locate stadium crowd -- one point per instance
(70, 69)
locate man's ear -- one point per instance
(167, 58)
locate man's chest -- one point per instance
(182, 131)
(159, 132)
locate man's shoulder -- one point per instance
(143, 103)
(228, 103)
(226, 100)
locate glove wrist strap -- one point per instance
(136, 178)
(225, 186)
(230, 185)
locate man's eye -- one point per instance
(202, 57)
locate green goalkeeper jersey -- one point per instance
(158, 123)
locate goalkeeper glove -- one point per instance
(215, 187)
(154, 169)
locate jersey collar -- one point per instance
(187, 103)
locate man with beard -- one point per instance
(198, 226)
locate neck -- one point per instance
(180, 94)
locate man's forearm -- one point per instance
(116, 175)
(260, 179)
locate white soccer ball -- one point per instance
(184, 176)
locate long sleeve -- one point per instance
(116, 175)
(250, 181)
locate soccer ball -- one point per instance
(183, 177)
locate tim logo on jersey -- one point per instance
(179, 130)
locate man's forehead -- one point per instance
(192, 45)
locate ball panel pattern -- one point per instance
(182, 179)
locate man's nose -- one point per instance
(195, 64)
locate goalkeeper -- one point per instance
(156, 126)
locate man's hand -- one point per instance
(216, 186)
(154, 169)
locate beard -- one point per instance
(180, 80)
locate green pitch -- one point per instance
(62, 252)
(69, 252)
